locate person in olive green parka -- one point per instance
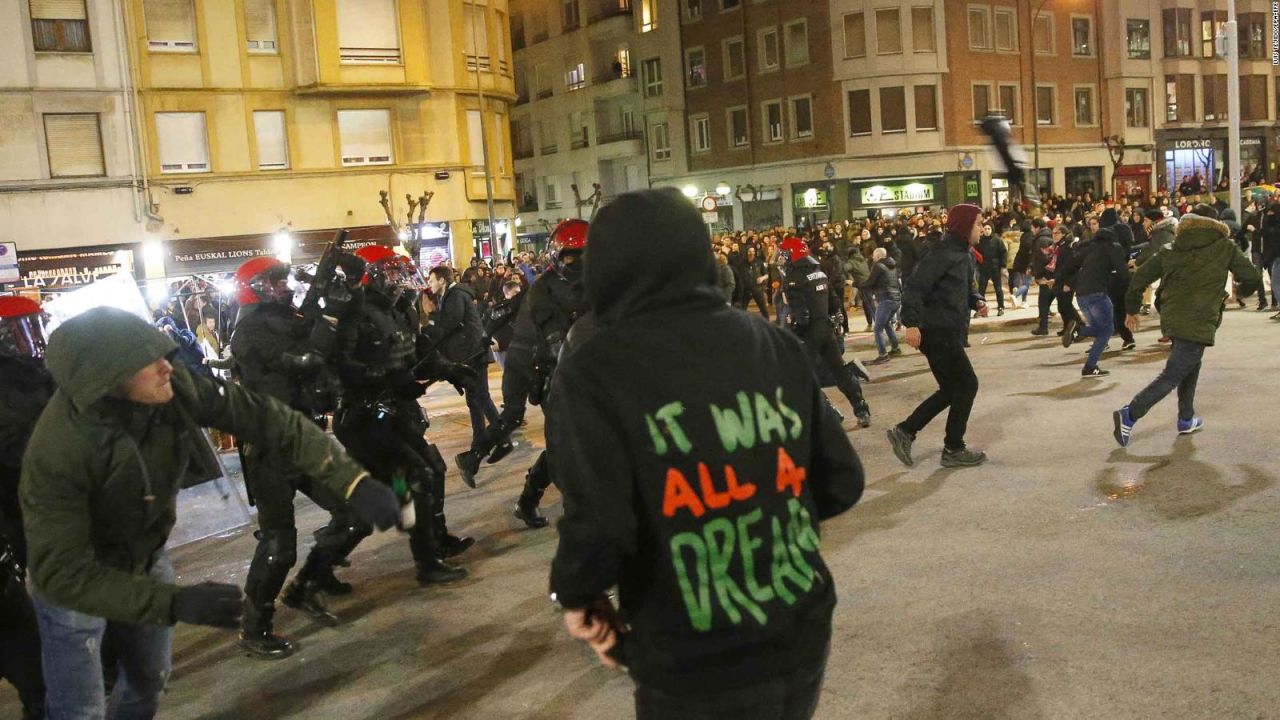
(99, 488)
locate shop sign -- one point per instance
(811, 198)
(67, 268)
(225, 254)
(906, 193)
(9, 263)
(1245, 142)
(1192, 144)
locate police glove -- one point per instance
(460, 376)
(215, 604)
(375, 503)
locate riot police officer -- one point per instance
(382, 356)
(813, 303)
(25, 388)
(276, 356)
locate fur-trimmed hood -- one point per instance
(1195, 231)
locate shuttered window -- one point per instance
(184, 144)
(75, 145)
(926, 107)
(859, 112)
(368, 31)
(171, 25)
(260, 26)
(475, 137)
(273, 147)
(59, 26)
(365, 136)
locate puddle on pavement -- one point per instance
(1178, 487)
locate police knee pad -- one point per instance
(279, 546)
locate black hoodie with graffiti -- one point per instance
(696, 456)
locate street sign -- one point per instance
(711, 218)
(709, 204)
(9, 263)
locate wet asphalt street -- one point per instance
(1066, 579)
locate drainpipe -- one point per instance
(138, 156)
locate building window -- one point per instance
(726, 5)
(796, 34)
(271, 139)
(551, 192)
(184, 144)
(579, 130)
(170, 25)
(735, 61)
(74, 143)
(622, 63)
(1135, 108)
(981, 102)
(1046, 105)
(802, 117)
(772, 121)
(695, 62)
(1177, 32)
(1138, 39)
(368, 32)
(700, 133)
(648, 15)
(1006, 29)
(888, 31)
(738, 131)
(475, 139)
(1046, 43)
(476, 38)
(660, 141)
(1082, 37)
(692, 10)
(1180, 98)
(1211, 23)
(926, 97)
(651, 75)
(365, 137)
(1008, 96)
(1253, 98)
(893, 110)
(1253, 35)
(855, 35)
(859, 112)
(1215, 97)
(770, 55)
(260, 26)
(979, 27)
(923, 39)
(575, 78)
(60, 26)
(570, 19)
(1084, 105)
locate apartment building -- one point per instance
(268, 124)
(68, 171)
(592, 102)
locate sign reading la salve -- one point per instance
(911, 192)
(9, 262)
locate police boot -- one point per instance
(446, 545)
(318, 569)
(304, 595)
(256, 636)
(861, 409)
(424, 544)
(535, 484)
(468, 464)
(499, 437)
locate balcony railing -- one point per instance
(553, 204)
(539, 37)
(613, 10)
(528, 205)
(522, 153)
(549, 150)
(483, 62)
(522, 98)
(544, 94)
(369, 56)
(619, 137)
(579, 144)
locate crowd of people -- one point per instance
(599, 321)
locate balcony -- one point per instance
(548, 149)
(604, 11)
(522, 153)
(619, 137)
(522, 98)
(553, 204)
(539, 37)
(528, 204)
(579, 144)
(544, 94)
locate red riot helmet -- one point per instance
(568, 240)
(256, 281)
(21, 327)
(791, 250)
(385, 271)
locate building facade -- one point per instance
(69, 175)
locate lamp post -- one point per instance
(1035, 109)
(1232, 54)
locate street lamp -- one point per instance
(690, 191)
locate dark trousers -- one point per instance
(756, 293)
(20, 648)
(868, 306)
(1045, 297)
(823, 348)
(1117, 309)
(1181, 372)
(991, 275)
(957, 387)
(517, 379)
(480, 406)
(1066, 305)
(788, 697)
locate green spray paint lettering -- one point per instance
(697, 605)
(668, 414)
(768, 420)
(737, 429)
(783, 570)
(797, 425)
(748, 546)
(720, 551)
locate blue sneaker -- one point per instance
(1187, 427)
(1124, 425)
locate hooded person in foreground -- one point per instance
(696, 455)
(99, 488)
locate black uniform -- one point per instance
(270, 345)
(381, 424)
(25, 388)
(812, 304)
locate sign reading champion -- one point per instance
(910, 193)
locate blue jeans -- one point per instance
(781, 312)
(883, 324)
(71, 650)
(480, 406)
(1182, 371)
(1100, 314)
(1020, 288)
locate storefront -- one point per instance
(1131, 181)
(1185, 156)
(761, 208)
(888, 197)
(811, 204)
(52, 271)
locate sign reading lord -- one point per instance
(909, 193)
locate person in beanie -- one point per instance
(99, 492)
(936, 301)
(694, 450)
(1191, 298)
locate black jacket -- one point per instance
(455, 327)
(25, 389)
(554, 304)
(687, 430)
(264, 334)
(1098, 265)
(810, 298)
(499, 320)
(994, 253)
(940, 293)
(883, 283)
